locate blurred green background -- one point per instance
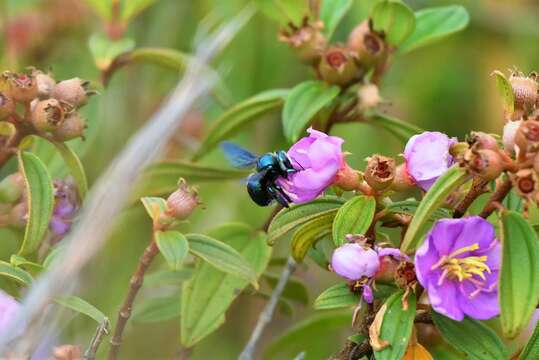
(445, 87)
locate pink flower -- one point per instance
(353, 261)
(427, 157)
(317, 158)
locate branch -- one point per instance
(101, 331)
(501, 192)
(265, 317)
(478, 188)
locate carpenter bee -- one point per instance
(262, 185)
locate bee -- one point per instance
(262, 184)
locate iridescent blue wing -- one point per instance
(238, 156)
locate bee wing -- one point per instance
(238, 156)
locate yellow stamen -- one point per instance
(462, 268)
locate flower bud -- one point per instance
(509, 132)
(23, 87)
(353, 261)
(402, 181)
(48, 115)
(11, 188)
(380, 172)
(7, 105)
(368, 97)
(45, 84)
(525, 182)
(307, 41)
(525, 89)
(481, 140)
(72, 127)
(182, 202)
(73, 91)
(67, 352)
(367, 44)
(527, 136)
(485, 163)
(347, 178)
(338, 66)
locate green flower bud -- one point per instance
(338, 66)
(367, 44)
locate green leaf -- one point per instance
(354, 217)
(173, 246)
(409, 207)
(288, 219)
(209, 293)
(471, 337)
(162, 178)
(102, 7)
(301, 105)
(403, 131)
(434, 24)
(75, 167)
(317, 335)
(239, 116)
(337, 296)
(395, 19)
(309, 233)
(221, 256)
(53, 255)
(433, 199)
(331, 14)
(40, 200)
(14, 273)
(519, 275)
(159, 309)
(531, 350)
(506, 91)
(294, 289)
(396, 326)
(21, 262)
(79, 305)
(105, 50)
(167, 277)
(154, 206)
(284, 11)
(132, 8)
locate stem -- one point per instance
(501, 192)
(274, 212)
(101, 331)
(265, 317)
(134, 287)
(10, 147)
(478, 188)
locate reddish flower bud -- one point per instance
(307, 41)
(73, 91)
(72, 127)
(11, 188)
(481, 140)
(380, 172)
(347, 178)
(402, 181)
(182, 202)
(45, 84)
(526, 91)
(48, 115)
(7, 105)
(527, 136)
(338, 66)
(67, 352)
(367, 44)
(368, 97)
(485, 163)
(23, 87)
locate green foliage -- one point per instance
(75, 167)
(531, 350)
(105, 50)
(519, 275)
(132, 8)
(354, 217)
(331, 14)
(471, 337)
(506, 91)
(395, 19)
(158, 309)
(81, 306)
(302, 104)
(174, 246)
(337, 296)
(284, 11)
(154, 206)
(398, 128)
(40, 200)
(14, 273)
(309, 233)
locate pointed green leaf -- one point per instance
(434, 198)
(396, 326)
(132, 8)
(82, 306)
(288, 219)
(155, 310)
(519, 275)
(209, 293)
(309, 233)
(75, 167)
(294, 290)
(14, 273)
(337, 296)
(331, 14)
(301, 105)
(154, 206)
(239, 116)
(395, 19)
(434, 24)
(101, 7)
(473, 338)
(354, 217)
(167, 277)
(506, 91)
(531, 350)
(284, 11)
(221, 256)
(19, 261)
(105, 50)
(403, 131)
(173, 246)
(40, 200)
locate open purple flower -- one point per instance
(427, 157)
(317, 157)
(458, 265)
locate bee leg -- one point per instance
(278, 194)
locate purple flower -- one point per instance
(317, 158)
(354, 262)
(65, 208)
(458, 265)
(427, 157)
